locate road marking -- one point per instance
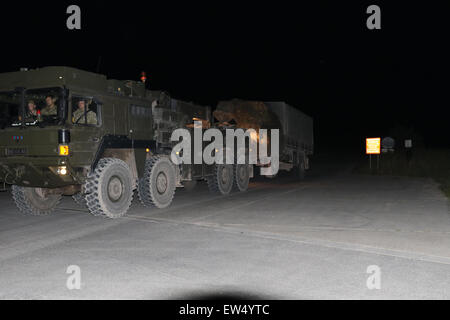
(247, 203)
(303, 240)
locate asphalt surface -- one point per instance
(282, 239)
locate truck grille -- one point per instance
(16, 151)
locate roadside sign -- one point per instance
(388, 144)
(408, 143)
(373, 145)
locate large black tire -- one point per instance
(109, 189)
(189, 185)
(241, 177)
(157, 185)
(33, 201)
(221, 182)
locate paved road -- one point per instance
(280, 240)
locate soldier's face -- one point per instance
(49, 101)
(31, 106)
(81, 105)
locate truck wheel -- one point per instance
(79, 199)
(222, 180)
(33, 201)
(189, 185)
(241, 177)
(109, 189)
(157, 186)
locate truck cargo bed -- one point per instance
(297, 127)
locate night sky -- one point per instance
(320, 58)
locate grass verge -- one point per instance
(431, 163)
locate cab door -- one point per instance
(85, 120)
(140, 121)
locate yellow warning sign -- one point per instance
(373, 145)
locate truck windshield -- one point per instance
(42, 107)
(9, 108)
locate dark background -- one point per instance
(319, 56)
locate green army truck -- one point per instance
(65, 131)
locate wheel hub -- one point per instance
(40, 192)
(224, 175)
(241, 173)
(161, 182)
(115, 188)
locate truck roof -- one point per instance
(58, 76)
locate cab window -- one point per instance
(9, 108)
(85, 111)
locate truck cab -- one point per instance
(89, 113)
(57, 123)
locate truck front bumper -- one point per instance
(42, 172)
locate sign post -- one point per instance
(373, 146)
(408, 147)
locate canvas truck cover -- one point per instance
(297, 127)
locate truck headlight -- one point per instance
(62, 170)
(63, 150)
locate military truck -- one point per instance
(65, 131)
(296, 140)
